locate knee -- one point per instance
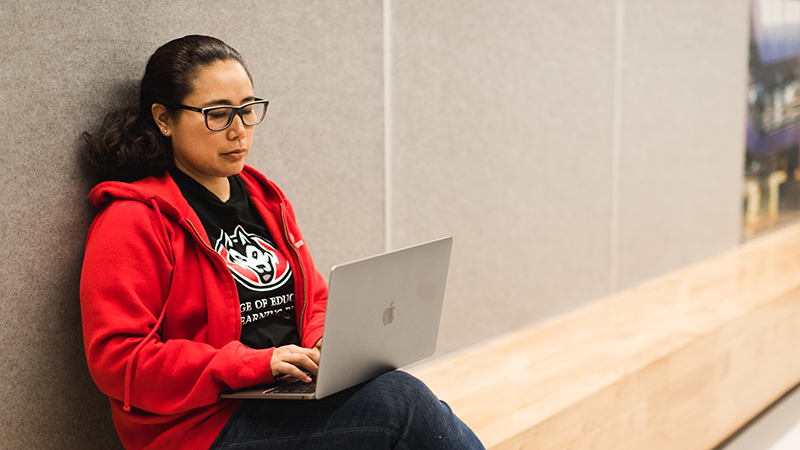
(399, 383)
(423, 420)
(407, 393)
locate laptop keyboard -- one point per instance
(294, 387)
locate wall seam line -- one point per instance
(616, 145)
(387, 127)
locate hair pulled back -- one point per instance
(129, 145)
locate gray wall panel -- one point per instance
(683, 116)
(502, 138)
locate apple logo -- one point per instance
(388, 314)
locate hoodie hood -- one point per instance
(162, 190)
(164, 195)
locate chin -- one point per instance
(235, 168)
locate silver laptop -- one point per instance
(383, 313)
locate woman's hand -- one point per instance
(295, 361)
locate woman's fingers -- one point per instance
(290, 370)
(295, 361)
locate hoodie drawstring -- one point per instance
(129, 367)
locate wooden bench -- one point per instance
(680, 362)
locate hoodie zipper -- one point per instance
(302, 270)
(196, 233)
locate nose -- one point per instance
(237, 128)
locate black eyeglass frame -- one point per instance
(237, 111)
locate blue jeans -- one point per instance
(394, 410)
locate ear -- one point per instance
(161, 116)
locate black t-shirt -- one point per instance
(263, 277)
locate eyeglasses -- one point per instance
(221, 117)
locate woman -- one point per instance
(196, 281)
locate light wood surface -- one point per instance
(680, 362)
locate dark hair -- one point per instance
(129, 145)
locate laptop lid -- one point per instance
(383, 313)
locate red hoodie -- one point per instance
(161, 315)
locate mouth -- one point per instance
(239, 152)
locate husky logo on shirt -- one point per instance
(253, 261)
